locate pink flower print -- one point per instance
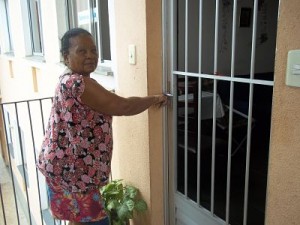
(70, 160)
(105, 127)
(84, 123)
(75, 140)
(67, 116)
(53, 145)
(85, 178)
(57, 179)
(69, 103)
(107, 139)
(56, 117)
(78, 127)
(79, 163)
(96, 153)
(102, 147)
(57, 169)
(97, 165)
(91, 148)
(97, 131)
(81, 185)
(92, 123)
(96, 181)
(97, 141)
(86, 133)
(85, 143)
(51, 156)
(63, 141)
(103, 167)
(92, 171)
(60, 154)
(88, 160)
(74, 189)
(68, 151)
(49, 168)
(72, 131)
(54, 134)
(90, 116)
(73, 180)
(69, 83)
(76, 117)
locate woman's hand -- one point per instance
(162, 100)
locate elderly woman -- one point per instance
(77, 148)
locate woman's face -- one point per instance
(82, 57)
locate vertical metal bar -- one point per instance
(166, 133)
(175, 97)
(199, 103)
(33, 145)
(186, 135)
(214, 108)
(42, 116)
(2, 204)
(23, 162)
(186, 101)
(11, 171)
(186, 35)
(99, 30)
(249, 126)
(233, 45)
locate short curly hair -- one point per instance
(65, 40)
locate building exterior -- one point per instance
(30, 64)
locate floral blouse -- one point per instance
(77, 147)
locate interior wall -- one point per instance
(283, 193)
(265, 38)
(137, 156)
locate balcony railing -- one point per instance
(23, 195)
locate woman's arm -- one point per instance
(106, 102)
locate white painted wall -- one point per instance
(267, 20)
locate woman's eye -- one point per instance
(82, 51)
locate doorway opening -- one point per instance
(221, 72)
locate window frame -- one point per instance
(104, 65)
(8, 47)
(38, 18)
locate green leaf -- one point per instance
(123, 211)
(131, 191)
(141, 206)
(112, 205)
(130, 204)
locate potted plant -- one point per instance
(121, 202)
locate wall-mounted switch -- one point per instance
(293, 69)
(131, 54)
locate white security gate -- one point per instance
(219, 64)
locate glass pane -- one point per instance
(9, 39)
(36, 26)
(83, 17)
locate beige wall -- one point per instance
(138, 153)
(283, 199)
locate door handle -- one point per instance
(169, 95)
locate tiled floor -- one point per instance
(8, 201)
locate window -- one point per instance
(35, 23)
(92, 15)
(6, 40)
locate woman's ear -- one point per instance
(66, 59)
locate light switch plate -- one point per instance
(293, 69)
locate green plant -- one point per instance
(121, 201)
